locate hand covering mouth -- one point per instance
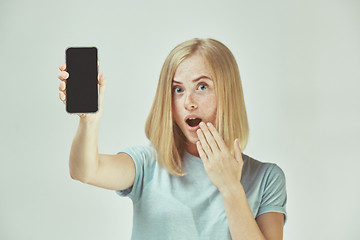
(193, 122)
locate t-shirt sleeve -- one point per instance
(274, 195)
(143, 157)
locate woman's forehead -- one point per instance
(191, 68)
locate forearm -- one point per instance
(241, 221)
(83, 162)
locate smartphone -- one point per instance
(82, 84)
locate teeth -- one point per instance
(192, 118)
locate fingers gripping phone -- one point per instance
(82, 84)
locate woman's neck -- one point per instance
(192, 149)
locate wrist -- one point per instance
(86, 125)
(232, 190)
(88, 121)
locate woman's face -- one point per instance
(193, 98)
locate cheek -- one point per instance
(213, 114)
(210, 103)
(211, 107)
(175, 110)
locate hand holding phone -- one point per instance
(83, 90)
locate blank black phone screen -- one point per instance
(82, 84)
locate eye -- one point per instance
(177, 89)
(202, 87)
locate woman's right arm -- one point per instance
(115, 172)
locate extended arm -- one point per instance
(116, 172)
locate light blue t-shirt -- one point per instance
(191, 207)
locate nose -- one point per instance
(190, 103)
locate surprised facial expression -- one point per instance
(193, 98)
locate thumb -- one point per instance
(237, 150)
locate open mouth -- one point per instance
(193, 122)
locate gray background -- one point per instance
(299, 62)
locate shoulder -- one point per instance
(140, 152)
(144, 157)
(264, 185)
(255, 167)
(263, 174)
(145, 165)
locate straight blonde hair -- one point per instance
(231, 118)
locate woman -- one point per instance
(192, 181)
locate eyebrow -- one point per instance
(195, 80)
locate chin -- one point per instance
(192, 140)
(191, 137)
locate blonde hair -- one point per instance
(231, 118)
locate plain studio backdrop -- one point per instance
(299, 63)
